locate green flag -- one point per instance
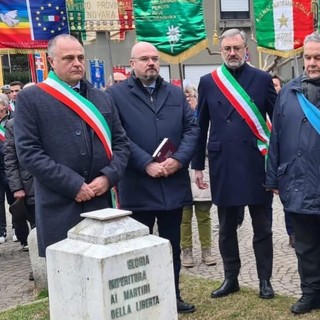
(175, 27)
(281, 26)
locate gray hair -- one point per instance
(232, 33)
(313, 37)
(4, 99)
(53, 42)
(191, 88)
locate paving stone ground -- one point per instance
(15, 287)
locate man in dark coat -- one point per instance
(150, 110)
(293, 168)
(69, 162)
(232, 97)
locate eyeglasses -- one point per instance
(145, 59)
(236, 49)
(190, 96)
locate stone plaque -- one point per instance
(115, 277)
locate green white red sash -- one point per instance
(2, 131)
(80, 105)
(241, 101)
(86, 110)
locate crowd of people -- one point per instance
(221, 129)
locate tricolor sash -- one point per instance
(85, 109)
(2, 131)
(311, 112)
(241, 101)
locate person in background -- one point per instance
(74, 164)
(117, 78)
(4, 187)
(293, 168)
(201, 206)
(20, 183)
(236, 156)
(152, 109)
(15, 88)
(6, 90)
(277, 82)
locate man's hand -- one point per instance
(156, 170)
(199, 180)
(171, 165)
(99, 185)
(85, 193)
(20, 194)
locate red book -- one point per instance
(164, 151)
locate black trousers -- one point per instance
(262, 240)
(21, 224)
(169, 228)
(306, 228)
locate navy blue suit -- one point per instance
(237, 168)
(147, 119)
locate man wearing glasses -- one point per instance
(152, 109)
(235, 98)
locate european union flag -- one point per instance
(48, 18)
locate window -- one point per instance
(231, 9)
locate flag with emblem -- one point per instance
(41, 66)
(176, 28)
(26, 25)
(281, 26)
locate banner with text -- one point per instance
(281, 26)
(175, 27)
(26, 25)
(89, 16)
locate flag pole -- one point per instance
(181, 75)
(110, 57)
(1, 71)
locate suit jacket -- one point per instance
(237, 168)
(147, 120)
(62, 153)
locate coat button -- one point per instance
(304, 119)
(85, 173)
(83, 153)
(228, 120)
(78, 132)
(299, 153)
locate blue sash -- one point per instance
(311, 112)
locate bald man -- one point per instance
(152, 109)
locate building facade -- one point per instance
(219, 15)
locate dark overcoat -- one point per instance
(147, 120)
(237, 168)
(294, 154)
(57, 147)
(18, 178)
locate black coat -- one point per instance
(237, 168)
(61, 152)
(147, 120)
(18, 178)
(294, 154)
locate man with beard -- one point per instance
(150, 110)
(293, 168)
(235, 99)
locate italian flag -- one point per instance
(282, 25)
(51, 18)
(2, 136)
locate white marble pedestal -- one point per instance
(109, 267)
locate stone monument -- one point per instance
(110, 267)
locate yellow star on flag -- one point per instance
(283, 21)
